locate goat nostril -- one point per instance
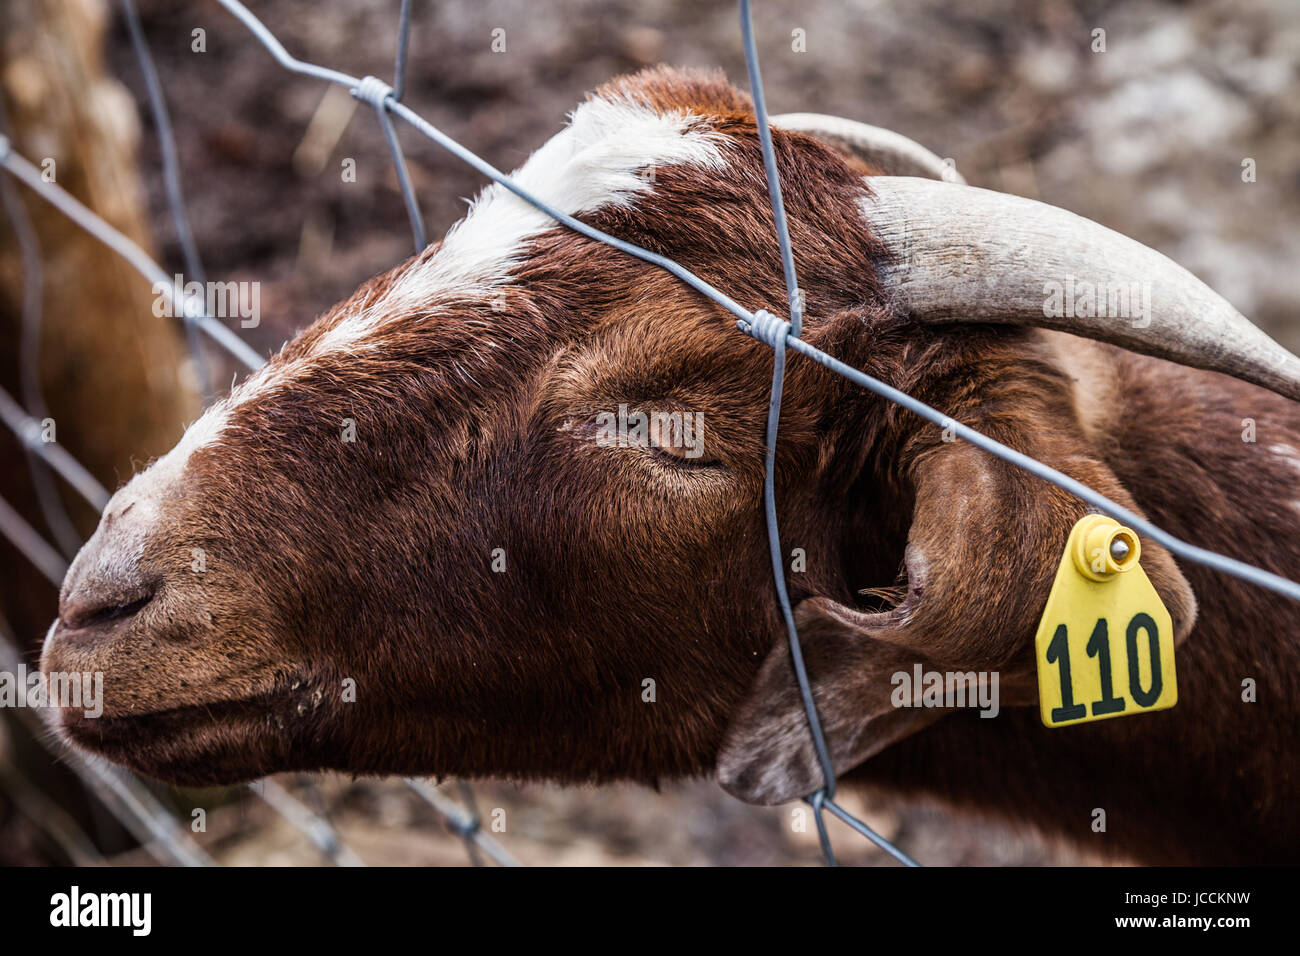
(93, 610)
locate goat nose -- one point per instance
(106, 583)
(103, 603)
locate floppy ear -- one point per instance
(768, 756)
(983, 549)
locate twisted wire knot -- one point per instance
(374, 91)
(766, 327)
(465, 828)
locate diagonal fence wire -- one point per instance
(30, 432)
(43, 556)
(777, 333)
(137, 258)
(129, 800)
(466, 823)
(308, 822)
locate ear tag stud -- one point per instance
(1105, 644)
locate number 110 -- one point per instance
(1058, 652)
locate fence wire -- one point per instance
(172, 183)
(778, 333)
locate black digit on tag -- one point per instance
(1143, 622)
(1099, 647)
(1059, 651)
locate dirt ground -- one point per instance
(1148, 137)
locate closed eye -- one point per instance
(674, 439)
(680, 442)
(677, 457)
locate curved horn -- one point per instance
(961, 254)
(890, 152)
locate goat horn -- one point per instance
(959, 254)
(890, 152)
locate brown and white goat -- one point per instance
(477, 584)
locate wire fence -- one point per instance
(781, 335)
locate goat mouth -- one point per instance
(225, 742)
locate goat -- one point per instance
(406, 546)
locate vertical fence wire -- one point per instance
(823, 797)
(171, 168)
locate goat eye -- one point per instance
(679, 437)
(678, 457)
(675, 438)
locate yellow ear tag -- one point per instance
(1105, 644)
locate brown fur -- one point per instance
(372, 561)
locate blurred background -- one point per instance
(1177, 126)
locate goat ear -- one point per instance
(768, 755)
(982, 552)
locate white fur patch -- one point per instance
(1291, 455)
(142, 490)
(600, 159)
(1289, 452)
